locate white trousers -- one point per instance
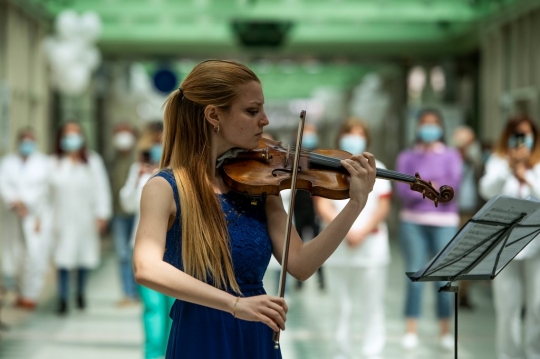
(25, 258)
(518, 284)
(361, 300)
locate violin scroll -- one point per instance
(444, 195)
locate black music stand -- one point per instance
(483, 246)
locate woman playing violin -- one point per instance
(207, 246)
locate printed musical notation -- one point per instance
(488, 242)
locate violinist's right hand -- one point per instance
(362, 169)
(270, 310)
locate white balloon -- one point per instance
(91, 57)
(73, 80)
(49, 43)
(65, 53)
(90, 26)
(67, 24)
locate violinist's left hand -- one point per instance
(362, 169)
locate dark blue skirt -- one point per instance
(200, 332)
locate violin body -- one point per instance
(268, 169)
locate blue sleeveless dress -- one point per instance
(200, 332)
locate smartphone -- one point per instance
(516, 140)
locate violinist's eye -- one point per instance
(252, 112)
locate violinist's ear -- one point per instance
(211, 115)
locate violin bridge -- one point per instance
(266, 155)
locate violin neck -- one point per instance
(334, 164)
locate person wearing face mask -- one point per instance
(514, 170)
(82, 206)
(424, 229)
(26, 220)
(468, 198)
(124, 138)
(156, 306)
(358, 267)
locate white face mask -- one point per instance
(353, 144)
(124, 141)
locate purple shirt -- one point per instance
(440, 165)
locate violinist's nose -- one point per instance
(264, 120)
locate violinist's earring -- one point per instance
(216, 129)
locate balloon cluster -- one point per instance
(72, 53)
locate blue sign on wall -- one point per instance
(165, 80)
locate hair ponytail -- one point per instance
(187, 151)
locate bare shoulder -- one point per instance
(158, 183)
(157, 195)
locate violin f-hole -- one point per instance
(286, 170)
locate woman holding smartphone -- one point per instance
(514, 170)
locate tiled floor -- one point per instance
(106, 332)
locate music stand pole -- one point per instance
(453, 288)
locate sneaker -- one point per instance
(81, 302)
(447, 342)
(127, 302)
(409, 341)
(62, 307)
(24, 303)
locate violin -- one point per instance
(267, 170)
(270, 168)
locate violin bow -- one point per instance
(287, 239)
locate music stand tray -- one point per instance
(484, 245)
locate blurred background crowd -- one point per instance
(446, 88)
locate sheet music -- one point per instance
(462, 252)
(533, 218)
(476, 239)
(519, 238)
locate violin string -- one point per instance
(333, 162)
(323, 159)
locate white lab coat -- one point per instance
(518, 283)
(81, 195)
(25, 250)
(499, 179)
(130, 195)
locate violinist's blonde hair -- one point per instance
(187, 151)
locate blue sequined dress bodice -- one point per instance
(202, 332)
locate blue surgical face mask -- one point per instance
(529, 142)
(155, 153)
(310, 140)
(526, 140)
(72, 142)
(430, 133)
(27, 147)
(353, 144)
